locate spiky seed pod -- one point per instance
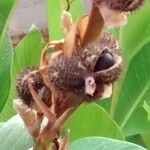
(70, 74)
(38, 84)
(121, 5)
(113, 11)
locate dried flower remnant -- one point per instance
(82, 69)
(66, 21)
(81, 78)
(114, 11)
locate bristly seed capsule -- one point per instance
(121, 5)
(72, 73)
(113, 11)
(38, 84)
(98, 61)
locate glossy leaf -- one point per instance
(101, 143)
(14, 135)
(132, 38)
(137, 32)
(54, 9)
(92, 120)
(27, 54)
(130, 113)
(133, 88)
(6, 9)
(6, 52)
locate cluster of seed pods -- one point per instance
(82, 68)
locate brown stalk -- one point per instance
(43, 108)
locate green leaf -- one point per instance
(92, 120)
(27, 54)
(14, 135)
(6, 52)
(133, 37)
(101, 143)
(130, 114)
(6, 10)
(54, 9)
(28, 51)
(132, 90)
(137, 32)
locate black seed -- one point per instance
(104, 62)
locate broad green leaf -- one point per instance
(146, 139)
(14, 135)
(130, 114)
(6, 52)
(92, 120)
(137, 32)
(54, 9)
(6, 10)
(138, 123)
(27, 54)
(133, 37)
(101, 143)
(28, 51)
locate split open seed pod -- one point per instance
(90, 72)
